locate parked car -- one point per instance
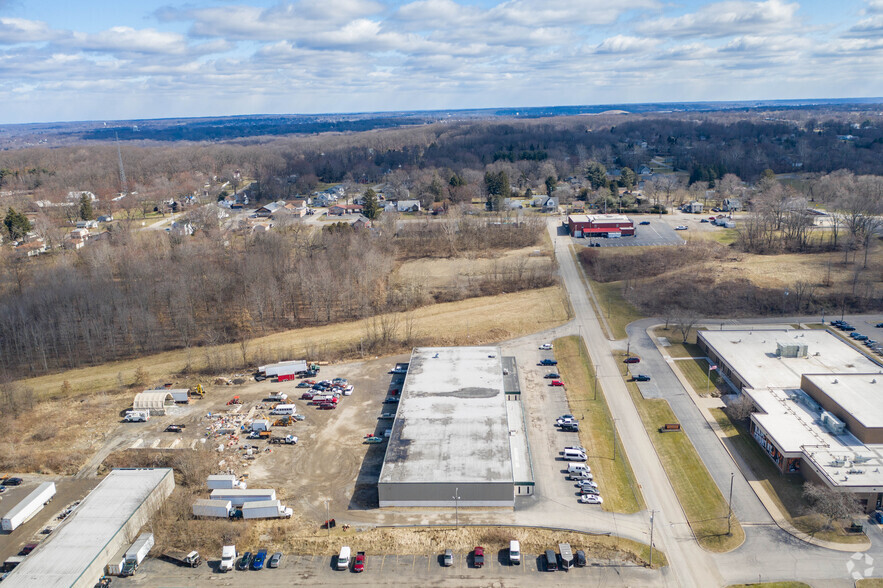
(847, 328)
(303, 384)
(244, 561)
(448, 558)
(641, 378)
(878, 516)
(546, 346)
(307, 396)
(478, 557)
(552, 376)
(548, 362)
(632, 360)
(12, 482)
(879, 325)
(373, 439)
(174, 428)
(644, 223)
(565, 420)
(579, 448)
(327, 406)
(392, 399)
(681, 228)
(275, 560)
(359, 564)
(705, 220)
(557, 383)
(590, 499)
(259, 559)
(587, 484)
(578, 476)
(579, 558)
(583, 490)
(570, 427)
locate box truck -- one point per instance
(265, 509)
(212, 508)
(224, 482)
(239, 497)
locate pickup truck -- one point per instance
(641, 378)
(181, 558)
(287, 440)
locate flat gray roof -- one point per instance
(451, 424)
(858, 394)
(70, 550)
(522, 472)
(753, 355)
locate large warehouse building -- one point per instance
(816, 404)
(107, 520)
(456, 439)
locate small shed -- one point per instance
(179, 395)
(154, 401)
(260, 425)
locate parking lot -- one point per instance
(308, 570)
(659, 231)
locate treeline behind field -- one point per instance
(138, 293)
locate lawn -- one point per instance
(620, 490)
(617, 310)
(466, 322)
(704, 505)
(696, 371)
(786, 491)
(869, 583)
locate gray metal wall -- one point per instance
(442, 494)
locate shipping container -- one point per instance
(27, 508)
(224, 481)
(212, 508)
(283, 368)
(115, 566)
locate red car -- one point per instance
(478, 557)
(359, 565)
(633, 360)
(306, 396)
(327, 406)
(557, 383)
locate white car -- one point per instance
(575, 448)
(587, 484)
(546, 346)
(681, 228)
(590, 499)
(565, 421)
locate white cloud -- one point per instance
(875, 6)
(868, 27)
(625, 44)
(724, 19)
(19, 30)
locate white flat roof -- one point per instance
(451, 424)
(599, 218)
(842, 460)
(858, 394)
(753, 355)
(64, 556)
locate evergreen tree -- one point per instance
(596, 173)
(86, 207)
(497, 187)
(17, 224)
(370, 208)
(551, 181)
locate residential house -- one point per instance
(87, 224)
(362, 222)
(74, 196)
(31, 248)
(81, 233)
(732, 204)
(341, 209)
(297, 207)
(644, 171)
(408, 206)
(269, 209)
(182, 229)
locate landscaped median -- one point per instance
(615, 476)
(704, 505)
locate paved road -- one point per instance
(690, 565)
(665, 384)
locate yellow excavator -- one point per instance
(198, 392)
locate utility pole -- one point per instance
(708, 381)
(594, 381)
(614, 439)
(730, 505)
(327, 518)
(456, 508)
(652, 513)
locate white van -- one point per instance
(572, 468)
(514, 553)
(574, 455)
(343, 559)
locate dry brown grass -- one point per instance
(473, 321)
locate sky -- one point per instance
(127, 59)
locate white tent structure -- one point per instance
(155, 401)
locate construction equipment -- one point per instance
(284, 422)
(234, 400)
(198, 392)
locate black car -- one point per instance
(579, 558)
(13, 482)
(552, 376)
(548, 362)
(570, 428)
(244, 561)
(879, 325)
(641, 378)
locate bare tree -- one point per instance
(833, 504)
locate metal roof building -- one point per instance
(107, 521)
(450, 441)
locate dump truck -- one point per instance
(182, 558)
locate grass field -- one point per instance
(620, 490)
(466, 322)
(869, 583)
(616, 309)
(786, 491)
(696, 371)
(704, 505)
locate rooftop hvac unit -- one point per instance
(832, 423)
(807, 401)
(791, 350)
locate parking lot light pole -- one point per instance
(456, 508)
(730, 505)
(652, 512)
(614, 439)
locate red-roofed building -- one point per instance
(600, 225)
